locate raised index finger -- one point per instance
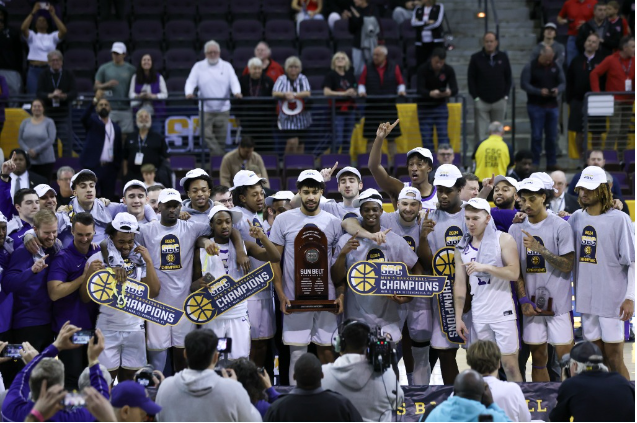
(427, 214)
(526, 233)
(334, 168)
(386, 231)
(249, 223)
(394, 124)
(355, 235)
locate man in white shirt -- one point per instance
(215, 79)
(558, 202)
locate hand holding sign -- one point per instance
(327, 172)
(530, 242)
(211, 247)
(39, 265)
(120, 274)
(401, 299)
(462, 330)
(92, 267)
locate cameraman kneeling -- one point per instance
(592, 393)
(353, 376)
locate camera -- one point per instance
(224, 347)
(381, 351)
(73, 400)
(83, 337)
(12, 351)
(145, 377)
(565, 362)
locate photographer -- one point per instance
(45, 369)
(352, 375)
(590, 392)
(256, 382)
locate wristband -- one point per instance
(525, 300)
(35, 413)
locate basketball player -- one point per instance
(545, 246)
(604, 266)
(276, 204)
(198, 187)
(302, 328)
(489, 259)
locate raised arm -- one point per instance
(390, 185)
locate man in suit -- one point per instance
(103, 145)
(21, 177)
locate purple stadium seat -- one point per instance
(112, 31)
(342, 37)
(247, 32)
(270, 161)
(145, 9)
(611, 156)
(176, 85)
(104, 56)
(411, 58)
(180, 33)
(331, 186)
(155, 54)
(280, 32)
(182, 8)
(18, 8)
(81, 10)
(316, 60)
(363, 159)
(316, 82)
(80, 34)
(81, 61)
(298, 162)
(370, 182)
(214, 30)
(275, 183)
(73, 162)
(226, 55)
(391, 34)
(216, 8)
(179, 61)
(280, 54)
(395, 54)
(84, 85)
(407, 32)
(146, 32)
(291, 183)
(400, 164)
(314, 33)
(622, 179)
(215, 165)
(244, 9)
(328, 160)
(276, 9)
(629, 160)
(240, 57)
(183, 163)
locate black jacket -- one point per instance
(611, 38)
(578, 81)
(356, 23)
(489, 76)
(320, 405)
(10, 46)
(94, 142)
(535, 77)
(437, 14)
(429, 81)
(48, 82)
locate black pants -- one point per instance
(424, 50)
(106, 179)
(39, 337)
(75, 361)
(44, 170)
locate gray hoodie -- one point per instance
(373, 394)
(197, 216)
(204, 396)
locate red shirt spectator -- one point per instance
(576, 12)
(619, 68)
(273, 70)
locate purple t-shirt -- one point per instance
(6, 300)
(67, 266)
(18, 235)
(503, 218)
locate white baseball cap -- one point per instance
(507, 179)
(236, 215)
(134, 183)
(546, 179)
(246, 178)
(192, 174)
(410, 193)
(592, 177)
(447, 175)
(81, 172)
(281, 195)
(310, 174)
(125, 222)
(531, 184)
(370, 194)
(3, 219)
(422, 151)
(349, 169)
(43, 189)
(118, 47)
(478, 203)
(169, 194)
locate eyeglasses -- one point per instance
(445, 154)
(65, 179)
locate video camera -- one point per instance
(381, 351)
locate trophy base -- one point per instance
(312, 305)
(548, 311)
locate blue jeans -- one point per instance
(543, 119)
(33, 74)
(571, 50)
(429, 117)
(343, 125)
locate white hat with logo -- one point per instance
(281, 195)
(531, 184)
(422, 151)
(134, 183)
(370, 194)
(125, 222)
(193, 174)
(310, 174)
(246, 178)
(410, 193)
(447, 175)
(478, 203)
(509, 180)
(169, 194)
(42, 189)
(592, 177)
(236, 216)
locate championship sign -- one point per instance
(444, 265)
(224, 293)
(389, 278)
(130, 297)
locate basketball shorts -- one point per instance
(159, 338)
(607, 329)
(418, 315)
(505, 334)
(262, 319)
(556, 330)
(123, 349)
(303, 328)
(439, 340)
(238, 329)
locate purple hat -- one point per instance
(134, 395)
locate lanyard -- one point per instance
(56, 84)
(630, 65)
(110, 136)
(140, 144)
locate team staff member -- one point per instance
(504, 197)
(198, 187)
(27, 204)
(124, 334)
(545, 246)
(489, 259)
(68, 273)
(300, 329)
(604, 252)
(6, 300)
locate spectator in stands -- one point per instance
(550, 31)
(4, 96)
(113, 78)
(131, 402)
(64, 175)
(543, 80)
(471, 188)
(484, 357)
(307, 9)
(256, 382)
(598, 25)
(37, 136)
(614, 398)
(270, 68)
(594, 158)
(578, 83)
(102, 150)
(427, 20)
(145, 147)
(615, 22)
(436, 83)
(492, 156)
(242, 158)
(335, 10)
(56, 87)
(221, 194)
(215, 78)
(153, 196)
(40, 41)
(309, 397)
(255, 117)
(522, 165)
(10, 54)
(340, 82)
(366, 31)
(198, 393)
(381, 77)
(558, 202)
(445, 154)
(471, 401)
(574, 13)
(149, 172)
(628, 13)
(489, 80)
(620, 76)
(148, 86)
(403, 10)
(291, 88)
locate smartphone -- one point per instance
(82, 337)
(12, 350)
(73, 400)
(224, 345)
(44, 5)
(145, 378)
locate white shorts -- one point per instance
(418, 315)
(238, 329)
(159, 338)
(307, 327)
(556, 330)
(262, 319)
(505, 334)
(607, 329)
(123, 349)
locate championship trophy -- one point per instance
(543, 301)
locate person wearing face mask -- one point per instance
(36, 137)
(149, 86)
(254, 115)
(103, 144)
(145, 146)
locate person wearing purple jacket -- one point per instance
(44, 368)
(68, 273)
(6, 300)
(27, 203)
